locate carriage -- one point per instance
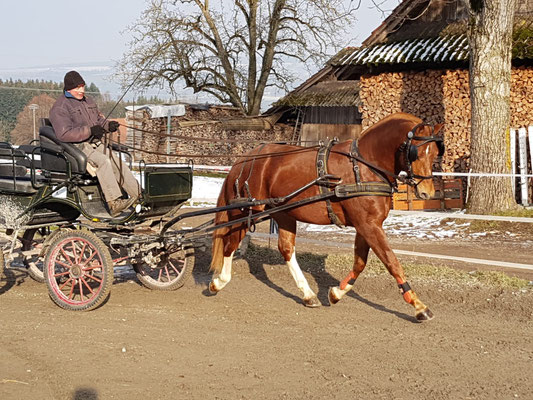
(69, 240)
(56, 223)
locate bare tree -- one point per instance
(234, 50)
(490, 36)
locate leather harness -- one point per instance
(345, 190)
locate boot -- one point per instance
(119, 205)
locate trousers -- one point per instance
(108, 172)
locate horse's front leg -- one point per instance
(377, 240)
(224, 247)
(361, 250)
(224, 276)
(286, 240)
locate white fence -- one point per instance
(520, 138)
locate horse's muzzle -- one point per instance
(423, 195)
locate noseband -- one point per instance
(410, 154)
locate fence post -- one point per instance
(522, 152)
(512, 150)
(530, 137)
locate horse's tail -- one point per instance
(217, 252)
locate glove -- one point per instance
(113, 126)
(97, 131)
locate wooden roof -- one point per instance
(324, 94)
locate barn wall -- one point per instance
(217, 151)
(440, 96)
(315, 132)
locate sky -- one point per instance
(45, 39)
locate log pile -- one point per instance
(440, 96)
(220, 147)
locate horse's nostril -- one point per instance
(424, 196)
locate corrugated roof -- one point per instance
(435, 50)
(324, 94)
(450, 46)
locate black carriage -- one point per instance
(56, 222)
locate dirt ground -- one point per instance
(256, 340)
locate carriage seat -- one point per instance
(30, 151)
(10, 159)
(52, 147)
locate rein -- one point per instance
(410, 153)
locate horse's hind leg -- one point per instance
(361, 250)
(286, 240)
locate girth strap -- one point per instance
(322, 157)
(344, 190)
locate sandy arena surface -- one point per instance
(256, 340)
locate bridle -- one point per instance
(410, 154)
(407, 149)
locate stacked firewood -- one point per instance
(438, 96)
(201, 136)
(521, 97)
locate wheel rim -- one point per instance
(76, 271)
(167, 271)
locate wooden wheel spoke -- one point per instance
(65, 255)
(82, 252)
(61, 274)
(64, 265)
(65, 284)
(89, 259)
(74, 252)
(174, 267)
(81, 289)
(87, 285)
(159, 275)
(71, 293)
(94, 278)
(92, 267)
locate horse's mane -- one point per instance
(399, 117)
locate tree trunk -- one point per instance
(490, 36)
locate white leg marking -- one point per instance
(225, 275)
(299, 277)
(339, 293)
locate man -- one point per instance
(76, 120)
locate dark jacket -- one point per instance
(72, 118)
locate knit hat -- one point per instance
(72, 80)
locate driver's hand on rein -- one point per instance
(97, 131)
(113, 126)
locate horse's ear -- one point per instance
(437, 128)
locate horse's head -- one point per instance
(416, 156)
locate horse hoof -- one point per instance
(312, 302)
(425, 315)
(332, 297)
(213, 288)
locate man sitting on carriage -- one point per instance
(76, 119)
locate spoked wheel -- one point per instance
(78, 270)
(170, 273)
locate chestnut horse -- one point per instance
(397, 147)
